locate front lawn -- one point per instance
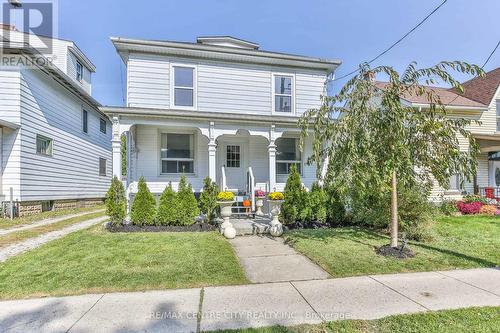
(459, 242)
(472, 320)
(95, 260)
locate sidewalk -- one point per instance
(283, 303)
(31, 243)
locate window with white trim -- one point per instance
(283, 93)
(288, 154)
(455, 183)
(184, 86)
(79, 71)
(233, 156)
(102, 166)
(43, 145)
(177, 153)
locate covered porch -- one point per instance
(240, 156)
(489, 184)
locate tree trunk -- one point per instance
(394, 211)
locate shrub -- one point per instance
(316, 204)
(469, 207)
(448, 207)
(225, 196)
(143, 208)
(469, 198)
(116, 203)
(488, 210)
(167, 209)
(335, 209)
(497, 213)
(293, 209)
(186, 204)
(208, 198)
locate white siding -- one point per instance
(11, 139)
(73, 170)
(221, 87)
(85, 83)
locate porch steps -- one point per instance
(238, 209)
(257, 226)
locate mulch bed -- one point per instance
(307, 225)
(401, 252)
(197, 227)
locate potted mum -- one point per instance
(275, 200)
(225, 201)
(259, 202)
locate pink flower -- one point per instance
(469, 208)
(260, 193)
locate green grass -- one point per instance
(18, 236)
(471, 320)
(459, 242)
(6, 223)
(94, 260)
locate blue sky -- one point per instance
(350, 30)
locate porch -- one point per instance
(240, 157)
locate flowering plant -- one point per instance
(225, 196)
(276, 196)
(260, 193)
(469, 208)
(488, 210)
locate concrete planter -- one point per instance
(226, 228)
(259, 202)
(276, 229)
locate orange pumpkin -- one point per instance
(246, 203)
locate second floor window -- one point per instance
(288, 154)
(102, 125)
(79, 71)
(177, 153)
(498, 116)
(283, 93)
(184, 86)
(85, 121)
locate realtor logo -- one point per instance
(36, 18)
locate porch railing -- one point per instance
(223, 179)
(251, 187)
(490, 192)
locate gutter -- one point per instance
(453, 107)
(197, 115)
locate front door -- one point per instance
(494, 172)
(234, 159)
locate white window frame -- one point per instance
(83, 121)
(101, 120)
(194, 88)
(105, 167)
(289, 161)
(79, 73)
(51, 145)
(273, 93)
(160, 170)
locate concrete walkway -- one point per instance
(256, 305)
(35, 242)
(46, 222)
(268, 259)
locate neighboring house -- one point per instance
(55, 143)
(480, 101)
(220, 108)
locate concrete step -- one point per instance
(246, 226)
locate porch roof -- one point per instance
(199, 115)
(488, 142)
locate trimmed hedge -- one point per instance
(116, 203)
(144, 206)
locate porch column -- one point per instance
(272, 160)
(212, 149)
(116, 145)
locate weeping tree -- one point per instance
(373, 139)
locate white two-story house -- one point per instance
(220, 107)
(55, 149)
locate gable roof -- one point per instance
(448, 97)
(482, 89)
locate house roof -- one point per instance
(224, 53)
(448, 97)
(482, 89)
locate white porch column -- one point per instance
(116, 145)
(272, 160)
(212, 150)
